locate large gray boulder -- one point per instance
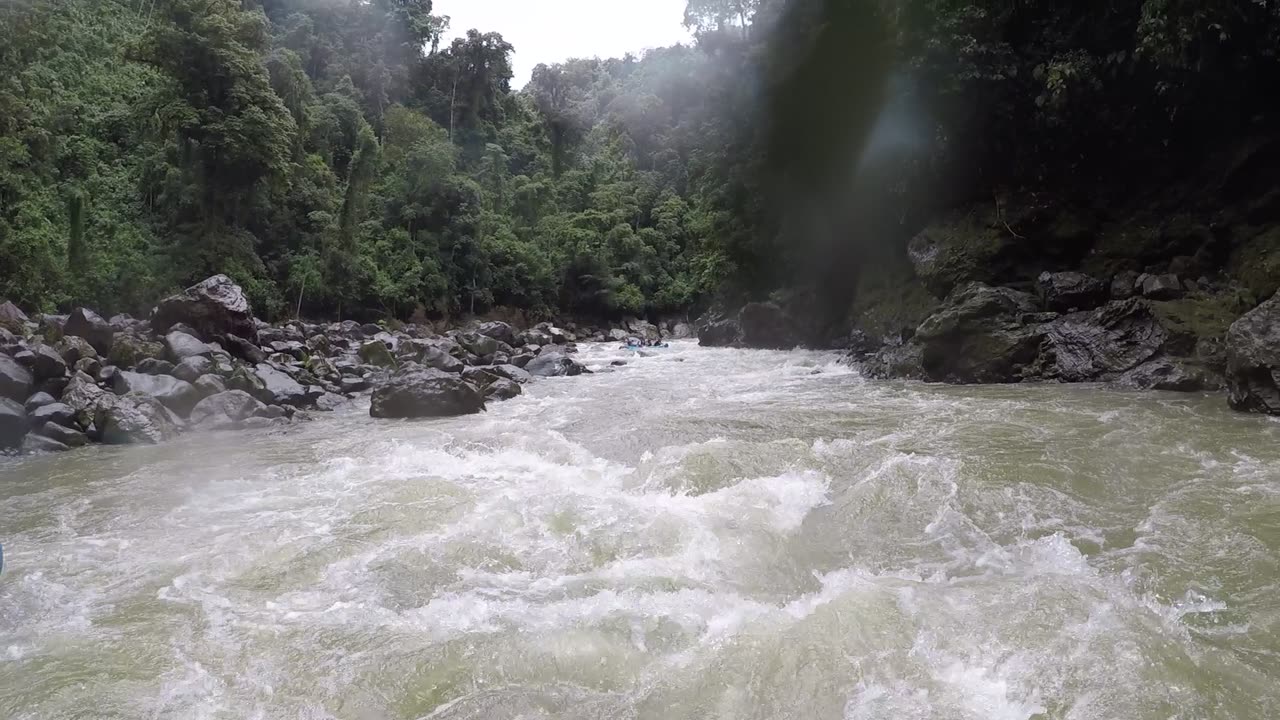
(179, 346)
(48, 363)
(979, 336)
(57, 413)
(554, 364)
(477, 344)
(500, 331)
(68, 436)
(226, 409)
(1071, 291)
(1253, 359)
(243, 349)
(192, 368)
(415, 391)
(73, 348)
(15, 380)
(177, 395)
(89, 325)
(280, 388)
(502, 389)
(11, 317)
(134, 418)
(214, 307)
(210, 385)
(13, 423)
(376, 352)
(1102, 343)
(84, 396)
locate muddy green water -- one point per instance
(700, 534)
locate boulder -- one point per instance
(68, 436)
(134, 418)
(177, 395)
(48, 363)
(192, 368)
(50, 327)
(210, 385)
(72, 348)
(244, 379)
(1253, 359)
(618, 335)
(1163, 373)
(500, 331)
(766, 325)
(11, 318)
(154, 366)
(681, 331)
(89, 366)
(434, 357)
(292, 348)
(1099, 344)
(417, 391)
(226, 409)
(510, 372)
(376, 352)
(537, 336)
(34, 444)
(281, 389)
(553, 364)
(243, 349)
(179, 346)
(84, 396)
(322, 368)
(128, 350)
(643, 329)
(319, 344)
(502, 389)
(896, 361)
(38, 400)
(1161, 287)
(352, 385)
(522, 360)
(15, 380)
(477, 344)
(328, 401)
(718, 331)
(57, 413)
(1071, 291)
(87, 324)
(977, 336)
(13, 424)
(214, 307)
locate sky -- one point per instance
(550, 31)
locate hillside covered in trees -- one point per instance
(337, 158)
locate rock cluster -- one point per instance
(203, 361)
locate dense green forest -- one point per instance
(337, 158)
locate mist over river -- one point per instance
(705, 533)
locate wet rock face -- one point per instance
(1070, 291)
(213, 307)
(978, 336)
(415, 391)
(1253, 359)
(1094, 345)
(766, 325)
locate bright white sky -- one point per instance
(549, 31)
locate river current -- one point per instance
(705, 533)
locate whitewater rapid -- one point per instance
(703, 533)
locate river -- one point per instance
(706, 533)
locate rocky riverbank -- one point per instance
(202, 361)
(976, 299)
